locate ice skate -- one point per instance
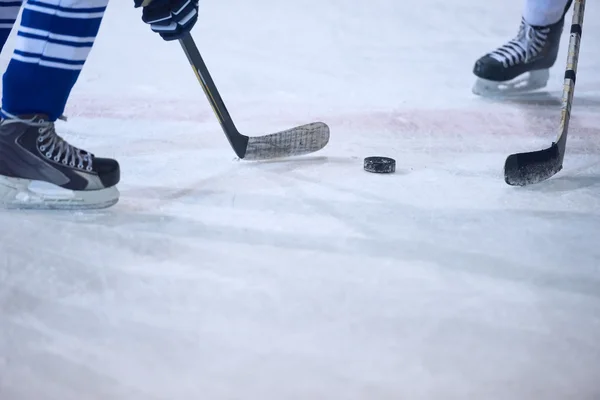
(522, 64)
(40, 170)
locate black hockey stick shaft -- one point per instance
(238, 142)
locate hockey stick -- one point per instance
(297, 141)
(527, 168)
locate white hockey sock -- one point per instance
(543, 12)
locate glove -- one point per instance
(171, 19)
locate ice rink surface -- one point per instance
(308, 278)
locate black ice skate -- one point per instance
(38, 169)
(522, 64)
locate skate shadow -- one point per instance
(298, 163)
(302, 160)
(544, 99)
(541, 114)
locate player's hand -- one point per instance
(169, 18)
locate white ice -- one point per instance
(310, 278)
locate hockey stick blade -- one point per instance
(297, 141)
(523, 169)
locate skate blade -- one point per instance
(525, 83)
(25, 194)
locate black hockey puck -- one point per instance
(380, 165)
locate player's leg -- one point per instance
(52, 45)
(523, 63)
(545, 12)
(9, 11)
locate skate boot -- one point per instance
(522, 64)
(40, 170)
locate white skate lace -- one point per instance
(53, 146)
(528, 43)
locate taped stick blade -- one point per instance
(304, 139)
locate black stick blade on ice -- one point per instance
(304, 139)
(528, 168)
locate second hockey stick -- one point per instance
(297, 141)
(527, 168)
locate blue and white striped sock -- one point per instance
(52, 45)
(9, 11)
